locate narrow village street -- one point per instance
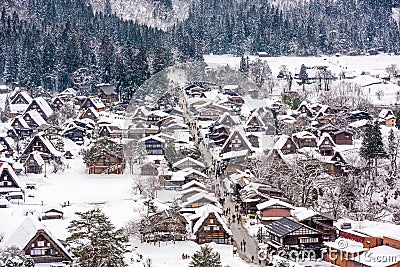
(239, 234)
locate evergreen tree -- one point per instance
(205, 258)
(244, 65)
(303, 75)
(95, 240)
(372, 144)
(392, 152)
(7, 108)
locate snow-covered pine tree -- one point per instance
(244, 65)
(372, 144)
(393, 145)
(95, 240)
(205, 258)
(303, 76)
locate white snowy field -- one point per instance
(170, 254)
(375, 65)
(367, 72)
(113, 194)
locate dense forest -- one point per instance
(54, 44)
(63, 43)
(307, 28)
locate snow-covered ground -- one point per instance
(113, 194)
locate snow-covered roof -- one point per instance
(193, 189)
(44, 106)
(18, 108)
(273, 202)
(16, 178)
(200, 164)
(50, 207)
(346, 245)
(323, 137)
(240, 131)
(144, 139)
(26, 231)
(282, 141)
(68, 92)
(193, 183)
(193, 199)
(304, 134)
(182, 174)
(38, 158)
(22, 122)
(234, 154)
(204, 216)
(36, 117)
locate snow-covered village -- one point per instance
(128, 140)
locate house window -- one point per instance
(288, 145)
(40, 243)
(206, 228)
(308, 240)
(326, 142)
(211, 220)
(216, 228)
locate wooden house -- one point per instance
(274, 209)
(34, 163)
(40, 143)
(234, 160)
(211, 111)
(320, 222)
(188, 174)
(287, 233)
(8, 144)
(21, 97)
(149, 169)
(89, 113)
(75, 133)
(167, 225)
(228, 120)
(188, 162)
(57, 103)
(33, 119)
(9, 181)
(154, 117)
(154, 145)
(337, 163)
(52, 212)
(199, 200)
(93, 102)
(286, 145)
(107, 93)
(305, 139)
(343, 137)
(193, 184)
(68, 94)
(255, 124)
(326, 145)
(107, 163)
(21, 127)
(185, 194)
(327, 128)
(304, 109)
(141, 130)
(37, 241)
(210, 227)
(237, 141)
(41, 106)
(140, 114)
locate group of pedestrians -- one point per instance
(227, 211)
